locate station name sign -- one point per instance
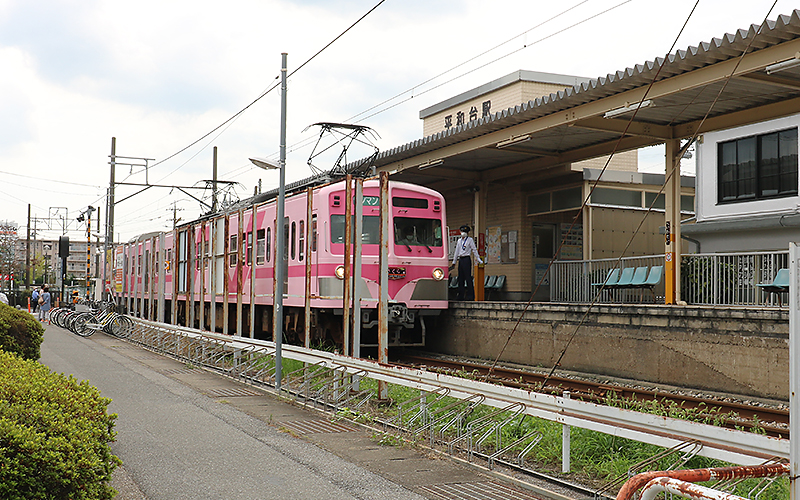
(462, 116)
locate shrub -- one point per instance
(54, 435)
(20, 333)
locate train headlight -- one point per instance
(438, 274)
(339, 272)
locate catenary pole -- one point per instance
(28, 251)
(280, 261)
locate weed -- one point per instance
(386, 439)
(354, 416)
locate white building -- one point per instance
(747, 188)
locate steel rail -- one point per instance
(746, 416)
(734, 446)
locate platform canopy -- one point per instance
(587, 120)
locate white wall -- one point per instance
(706, 195)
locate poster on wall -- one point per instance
(572, 247)
(493, 235)
(508, 247)
(118, 268)
(542, 276)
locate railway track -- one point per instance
(733, 414)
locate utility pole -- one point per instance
(97, 260)
(88, 218)
(175, 218)
(214, 184)
(28, 251)
(109, 243)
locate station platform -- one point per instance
(185, 432)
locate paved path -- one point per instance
(185, 433)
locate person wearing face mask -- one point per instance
(465, 248)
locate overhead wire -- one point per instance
(45, 179)
(468, 60)
(306, 142)
(509, 54)
(227, 123)
(273, 87)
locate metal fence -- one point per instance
(576, 281)
(730, 279)
(706, 279)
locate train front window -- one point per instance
(370, 230)
(417, 232)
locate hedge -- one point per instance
(20, 332)
(54, 435)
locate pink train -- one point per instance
(217, 273)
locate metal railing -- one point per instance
(706, 279)
(572, 281)
(730, 279)
(326, 380)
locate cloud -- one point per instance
(16, 105)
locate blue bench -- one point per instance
(611, 279)
(493, 283)
(779, 285)
(490, 283)
(642, 278)
(453, 285)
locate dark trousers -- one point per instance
(465, 289)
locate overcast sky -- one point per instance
(159, 75)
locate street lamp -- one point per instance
(280, 269)
(280, 263)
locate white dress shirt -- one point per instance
(465, 246)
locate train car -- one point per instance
(217, 273)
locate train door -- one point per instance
(287, 243)
(219, 256)
(543, 242)
(314, 255)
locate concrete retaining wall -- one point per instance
(743, 351)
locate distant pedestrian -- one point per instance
(44, 304)
(35, 299)
(465, 248)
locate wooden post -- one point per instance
(253, 259)
(383, 283)
(348, 262)
(202, 260)
(226, 281)
(672, 214)
(239, 256)
(309, 235)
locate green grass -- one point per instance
(596, 458)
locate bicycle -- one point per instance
(86, 323)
